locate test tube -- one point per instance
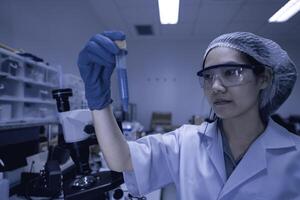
(122, 74)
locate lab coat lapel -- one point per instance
(253, 162)
(213, 143)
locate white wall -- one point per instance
(292, 106)
(162, 77)
(5, 22)
(161, 73)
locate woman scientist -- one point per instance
(242, 155)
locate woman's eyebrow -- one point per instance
(226, 63)
(233, 62)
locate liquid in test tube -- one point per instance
(122, 75)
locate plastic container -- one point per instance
(4, 185)
(4, 188)
(5, 112)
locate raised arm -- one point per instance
(96, 63)
(112, 143)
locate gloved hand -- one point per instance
(96, 63)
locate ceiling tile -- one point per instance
(188, 14)
(209, 30)
(282, 31)
(189, 2)
(269, 2)
(213, 18)
(176, 30)
(257, 11)
(197, 18)
(134, 15)
(146, 4)
(216, 12)
(222, 2)
(244, 26)
(107, 13)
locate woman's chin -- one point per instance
(224, 114)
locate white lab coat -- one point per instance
(194, 162)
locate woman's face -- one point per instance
(232, 101)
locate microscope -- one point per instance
(78, 135)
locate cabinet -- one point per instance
(25, 91)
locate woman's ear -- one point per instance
(265, 79)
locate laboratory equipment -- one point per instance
(4, 184)
(78, 135)
(25, 91)
(122, 74)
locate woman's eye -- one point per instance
(207, 76)
(230, 72)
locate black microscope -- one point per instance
(78, 136)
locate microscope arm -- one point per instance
(73, 124)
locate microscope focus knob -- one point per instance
(89, 129)
(118, 194)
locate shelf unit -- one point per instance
(25, 91)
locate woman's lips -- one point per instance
(221, 102)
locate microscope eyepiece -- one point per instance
(62, 99)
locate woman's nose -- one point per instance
(217, 85)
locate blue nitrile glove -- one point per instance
(96, 63)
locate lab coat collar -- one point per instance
(208, 131)
(253, 162)
(276, 137)
(213, 143)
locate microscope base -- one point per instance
(106, 181)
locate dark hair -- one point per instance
(259, 68)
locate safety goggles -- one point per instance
(229, 74)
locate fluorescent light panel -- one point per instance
(286, 12)
(168, 11)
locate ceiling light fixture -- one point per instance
(286, 12)
(168, 11)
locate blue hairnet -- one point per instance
(272, 56)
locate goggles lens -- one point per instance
(229, 74)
